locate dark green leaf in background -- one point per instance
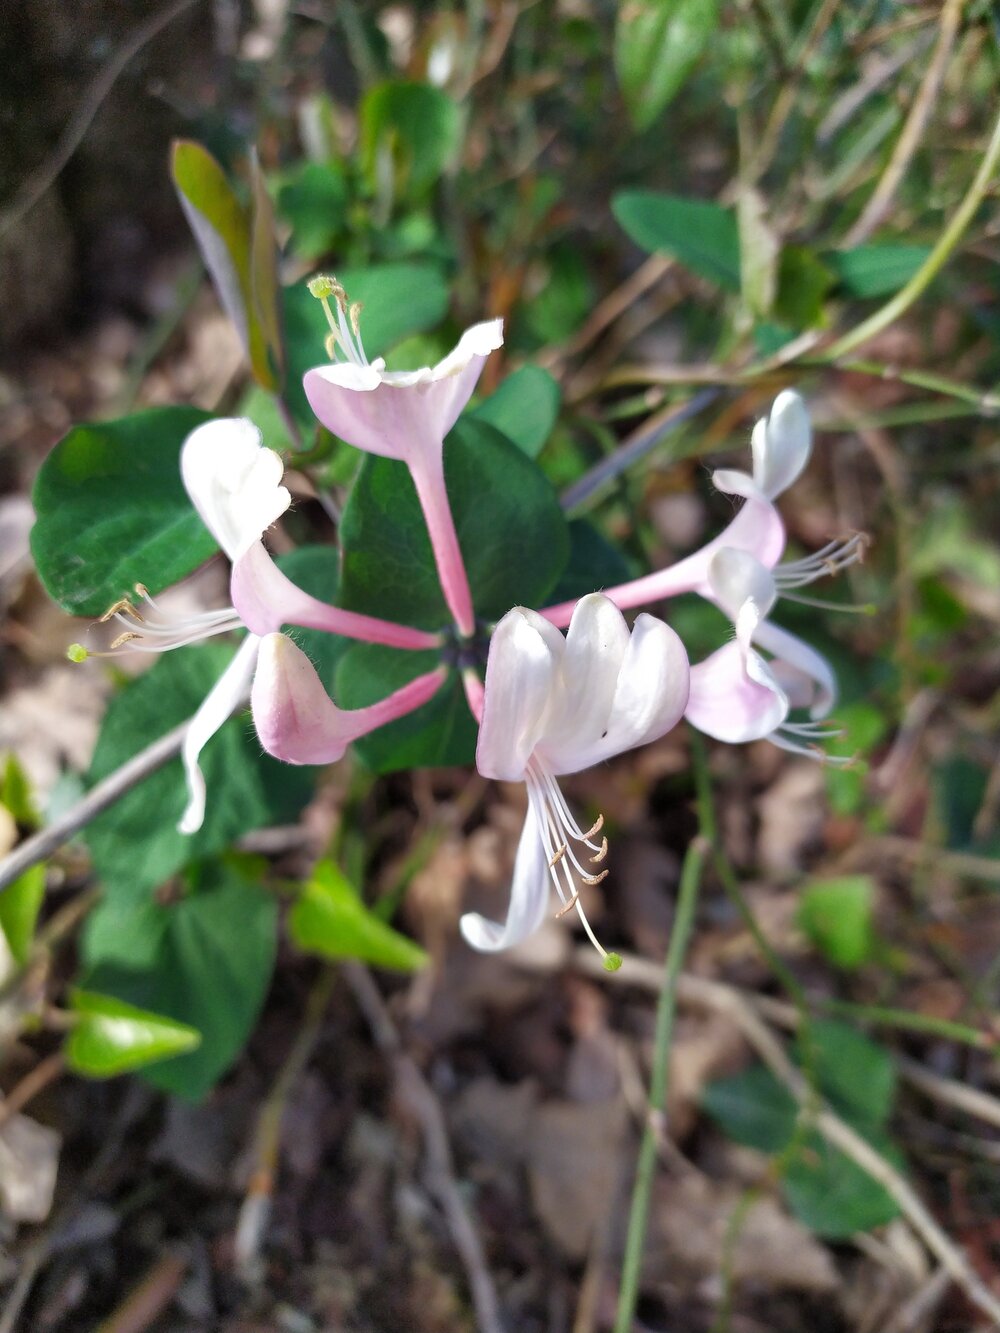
(510, 528)
(875, 270)
(416, 127)
(657, 45)
(594, 564)
(112, 511)
(441, 733)
(315, 201)
(524, 408)
(211, 968)
(135, 845)
(702, 236)
(330, 919)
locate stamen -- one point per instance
(830, 559)
(558, 831)
(128, 637)
(122, 607)
(345, 328)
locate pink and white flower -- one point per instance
(404, 415)
(235, 484)
(555, 705)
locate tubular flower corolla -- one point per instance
(403, 415)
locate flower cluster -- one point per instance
(552, 703)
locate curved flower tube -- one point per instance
(555, 705)
(235, 484)
(404, 415)
(298, 722)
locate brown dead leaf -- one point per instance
(792, 812)
(574, 1203)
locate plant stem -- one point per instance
(932, 265)
(687, 899)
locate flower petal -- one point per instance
(404, 413)
(781, 444)
(736, 577)
(810, 677)
(220, 702)
(295, 718)
(529, 897)
(734, 696)
(521, 669)
(650, 695)
(595, 648)
(233, 481)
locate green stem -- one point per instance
(687, 899)
(932, 265)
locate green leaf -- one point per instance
(135, 845)
(803, 283)
(657, 45)
(330, 919)
(211, 969)
(265, 289)
(315, 202)
(398, 300)
(832, 1196)
(113, 1037)
(415, 125)
(19, 906)
(15, 793)
(702, 236)
(441, 733)
(837, 915)
(524, 408)
(112, 511)
(875, 270)
(511, 531)
(233, 240)
(753, 1108)
(856, 1075)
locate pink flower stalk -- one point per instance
(555, 705)
(404, 415)
(298, 722)
(234, 483)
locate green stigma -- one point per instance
(612, 962)
(323, 287)
(77, 653)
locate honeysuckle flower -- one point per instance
(234, 482)
(736, 695)
(297, 721)
(403, 415)
(555, 705)
(780, 447)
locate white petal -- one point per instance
(735, 577)
(781, 445)
(529, 897)
(521, 670)
(479, 340)
(233, 482)
(596, 644)
(226, 694)
(788, 648)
